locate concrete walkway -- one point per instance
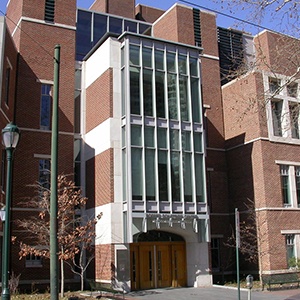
(212, 293)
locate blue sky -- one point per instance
(165, 4)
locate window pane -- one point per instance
(174, 139)
(290, 246)
(182, 64)
(160, 94)
(172, 96)
(195, 99)
(199, 177)
(285, 187)
(147, 57)
(124, 175)
(137, 173)
(149, 136)
(159, 59)
(292, 89)
(294, 118)
(277, 117)
(123, 92)
(44, 173)
(135, 107)
(274, 85)
(115, 25)
(134, 55)
(130, 26)
(45, 106)
(186, 140)
(184, 103)
(150, 174)
(136, 135)
(187, 177)
(83, 33)
(193, 66)
(197, 142)
(171, 62)
(147, 92)
(163, 175)
(297, 174)
(100, 27)
(175, 175)
(162, 138)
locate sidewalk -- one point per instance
(212, 293)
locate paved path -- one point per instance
(212, 293)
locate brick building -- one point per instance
(162, 133)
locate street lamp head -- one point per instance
(10, 136)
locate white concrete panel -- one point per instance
(106, 56)
(109, 228)
(198, 272)
(104, 136)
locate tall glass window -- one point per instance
(163, 175)
(285, 186)
(166, 156)
(175, 175)
(199, 177)
(135, 104)
(184, 101)
(45, 106)
(44, 173)
(137, 173)
(147, 92)
(160, 94)
(172, 96)
(150, 174)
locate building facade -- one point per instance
(167, 123)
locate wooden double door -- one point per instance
(157, 265)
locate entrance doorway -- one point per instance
(158, 264)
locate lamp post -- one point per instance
(10, 136)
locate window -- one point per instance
(290, 185)
(294, 119)
(215, 254)
(292, 89)
(290, 246)
(274, 85)
(45, 106)
(49, 10)
(277, 114)
(285, 186)
(283, 107)
(44, 173)
(33, 260)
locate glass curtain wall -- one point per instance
(165, 130)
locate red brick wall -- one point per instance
(36, 48)
(99, 100)
(244, 109)
(211, 95)
(37, 63)
(104, 262)
(209, 33)
(100, 179)
(278, 53)
(176, 25)
(10, 61)
(124, 8)
(148, 14)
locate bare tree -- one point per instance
(283, 14)
(254, 240)
(76, 232)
